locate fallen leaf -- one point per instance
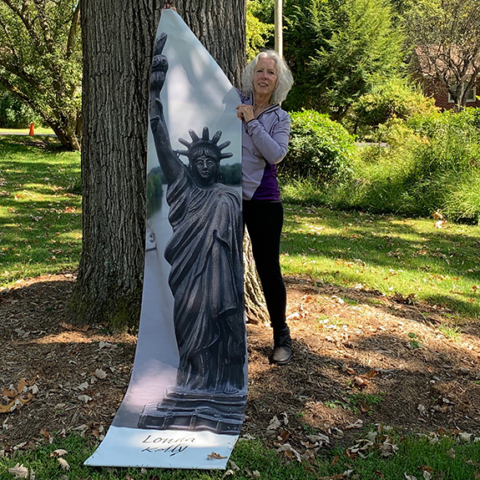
(64, 464)
(410, 477)
(318, 438)
(215, 456)
(274, 425)
(10, 407)
(58, 453)
(67, 326)
(357, 424)
(387, 449)
(451, 453)
(288, 449)
(9, 393)
(19, 471)
(100, 374)
(84, 398)
(465, 437)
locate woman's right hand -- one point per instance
(245, 112)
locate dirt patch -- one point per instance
(360, 358)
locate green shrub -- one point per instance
(394, 99)
(463, 200)
(427, 163)
(320, 149)
(14, 113)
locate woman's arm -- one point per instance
(272, 147)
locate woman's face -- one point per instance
(265, 78)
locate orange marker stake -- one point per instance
(32, 130)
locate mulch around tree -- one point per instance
(360, 359)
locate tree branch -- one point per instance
(72, 34)
(9, 40)
(42, 20)
(20, 73)
(23, 16)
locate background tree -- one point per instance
(258, 32)
(445, 37)
(14, 113)
(40, 61)
(117, 48)
(338, 50)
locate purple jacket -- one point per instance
(264, 144)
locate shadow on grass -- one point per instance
(441, 259)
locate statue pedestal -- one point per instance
(220, 413)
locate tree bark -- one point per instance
(117, 43)
(255, 305)
(220, 26)
(117, 47)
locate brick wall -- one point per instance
(439, 92)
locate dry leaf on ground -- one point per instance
(215, 456)
(64, 464)
(58, 453)
(19, 471)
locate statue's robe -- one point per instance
(206, 279)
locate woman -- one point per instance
(265, 135)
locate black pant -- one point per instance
(264, 221)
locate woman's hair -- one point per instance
(284, 82)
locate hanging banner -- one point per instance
(185, 403)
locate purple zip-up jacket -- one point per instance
(264, 144)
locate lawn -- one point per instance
(40, 208)
(423, 260)
(26, 131)
(372, 285)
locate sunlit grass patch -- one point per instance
(410, 257)
(453, 333)
(40, 221)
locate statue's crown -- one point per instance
(204, 146)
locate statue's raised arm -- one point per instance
(169, 161)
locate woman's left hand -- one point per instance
(245, 112)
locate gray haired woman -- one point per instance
(265, 135)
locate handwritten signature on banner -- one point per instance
(173, 446)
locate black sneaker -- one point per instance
(282, 350)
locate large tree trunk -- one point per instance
(117, 45)
(255, 305)
(117, 42)
(220, 26)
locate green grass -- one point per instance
(387, 253)
(40, 208)
(26, 131)
(453, 333)
(40, 233)
(414, 455)
(40, 230)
